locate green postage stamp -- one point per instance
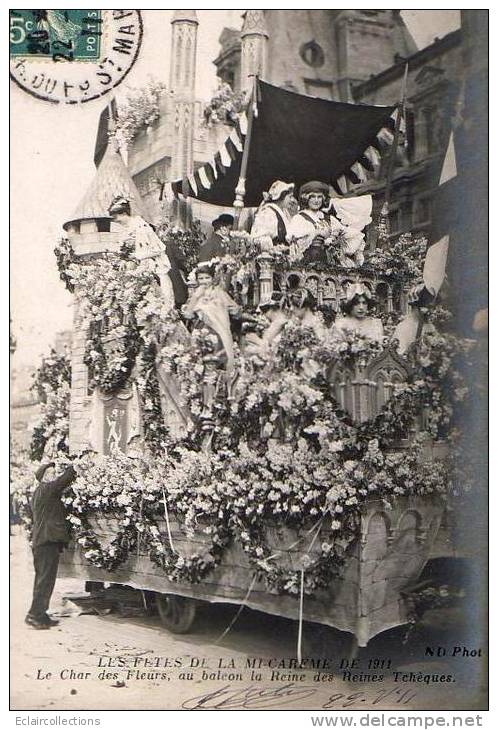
(66, 35)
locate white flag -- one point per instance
(435, 265)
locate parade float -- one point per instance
(302, 469)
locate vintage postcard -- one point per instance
(248, 343)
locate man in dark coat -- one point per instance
(49, 535)
(178, 272)
(218, 244)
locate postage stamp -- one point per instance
(70, 35)
(72, 56)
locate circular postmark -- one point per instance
(72, 56)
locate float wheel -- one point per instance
(177, 613)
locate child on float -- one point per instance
(356, 309)
(297, 304)
(210, 305)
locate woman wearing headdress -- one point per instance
(356, 317)
(212, 306)
(273, 217)
(311, 225)
(317, 226)
(148, 248)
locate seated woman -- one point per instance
(309, 227)
(298, 305)
(356, 308)
(211, 306)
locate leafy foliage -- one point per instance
(52, 385)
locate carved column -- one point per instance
(265, 276)
(254, 51)
(182, 87)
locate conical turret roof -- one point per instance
(111, 179)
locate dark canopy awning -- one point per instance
(294, 138)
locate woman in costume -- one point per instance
(148, 248)
(273, 217)
(317, 226)
(212, 306)
(296, 304)
(356, 310)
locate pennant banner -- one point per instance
(342, 142)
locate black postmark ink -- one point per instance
(73, 56)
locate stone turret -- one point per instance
(368, 41)
(91, 233)
(254, 41)
(182, 87)
(89, 228)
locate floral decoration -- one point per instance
(52, 385)
(139, 110)
(286, 457)
(225, 106)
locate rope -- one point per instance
(300, 629)
(242, 605)
(139, 533)
(316, 527)
(166, 517)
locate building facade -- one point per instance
(322, 53)
(432, 89)
(356, 56)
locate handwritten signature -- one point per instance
(252, 697)
(230, 698)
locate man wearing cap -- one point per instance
(273, 217)
(49, 535)
(218, 245)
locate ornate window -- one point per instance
(312, 54)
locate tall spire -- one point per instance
(254, 40)
(182, 87)
(183, 53)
